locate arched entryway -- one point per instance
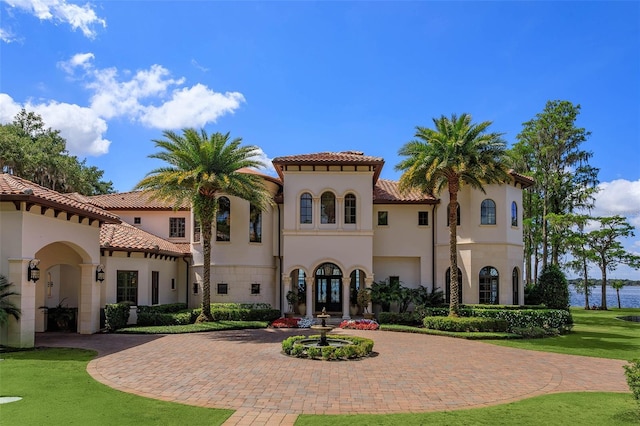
(328, 288)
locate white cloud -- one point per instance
(151, 96)
(83, 18)
(7, 35)
(618, 197)
(191, 107)
(82, 128)
(267, 161)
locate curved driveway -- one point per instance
(246, 371)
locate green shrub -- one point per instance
(405, 318)
(157, 318)
(468, 324)
(554, 288)
(530, 332)
(116, 315)
(163, 309)
(240, 312)
(361, 347)
(632, 371)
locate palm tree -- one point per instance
(455, 153)
(7, 307)
(202, 167)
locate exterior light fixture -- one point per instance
(100, 273)
(33, 272)
(328, 269)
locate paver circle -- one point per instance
(245, 370)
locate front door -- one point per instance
(329, 294)
(328, 291)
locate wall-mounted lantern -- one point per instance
(33, 272)
(100, 273)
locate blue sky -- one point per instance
(301, 77)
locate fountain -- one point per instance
(323, 328)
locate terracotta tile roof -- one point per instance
(523, 180)
(134, 200)
(125, 237)
(387, 192)
(262, 175)
(14, 188)
(341, 158)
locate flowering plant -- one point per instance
(364, 324)
(292, 323)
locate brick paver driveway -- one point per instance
(246, 371)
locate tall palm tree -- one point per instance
(200, 168)
(7, 307)
(455, 153)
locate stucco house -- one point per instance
(335, 226)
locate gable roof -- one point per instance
(387, 192)
(342, 158)
(17, 189)
(524, 181)
(125, 237)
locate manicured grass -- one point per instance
(587, 408)
(57, 390)
(595, 333)
(463, 335)
(195, 328)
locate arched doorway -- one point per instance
(328, 288)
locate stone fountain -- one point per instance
(323, 328)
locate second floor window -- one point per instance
(306, 208)
(514, 214)
(383, 218)
(223, 221)
(196, 230)
(488, 212)
(350, 208)
(255, 224)
(423, 218)
(328, 208)
(176, 227)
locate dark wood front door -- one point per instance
(329, 294)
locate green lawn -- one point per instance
(57, 390)
(595, 333)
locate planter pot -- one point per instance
(353, 310)
(288, 314)
(302, 308)
(368, 315)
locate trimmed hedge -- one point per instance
(553, 320)
(116, 315)
(158, 318)
(404, 318)
(163, 309)
(239, 314)
(360, 348)
(466, 324)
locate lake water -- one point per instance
(629, 297)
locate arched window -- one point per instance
(515, 281)
(488, 212)
(306, 208)
(328, 208)
(447, 280)
(488, 285)
(350, 208)
(223, 221)
(514, 214)
(457, 214)
(255, 224)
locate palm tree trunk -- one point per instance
(454, 304)
(206, 272)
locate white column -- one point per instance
(340, 212)
(89, 303)
(21, 333)
(367, 284)
(346, 292)
(317, 210)
(309, 281)
(286, 279)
